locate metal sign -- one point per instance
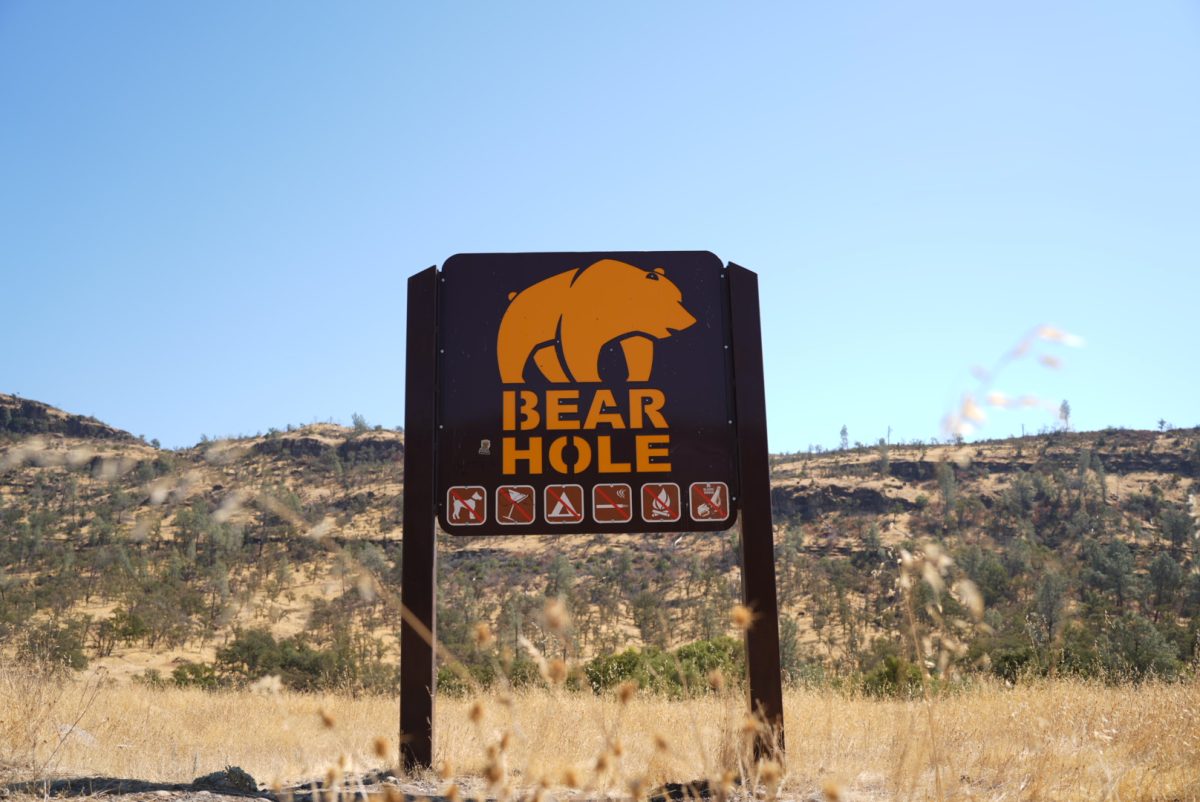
(573, 372)
(583, 392)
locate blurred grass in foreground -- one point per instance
(1055, 739)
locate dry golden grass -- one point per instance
(1060, 740)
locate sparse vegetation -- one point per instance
(1058, 562)
(193, 552)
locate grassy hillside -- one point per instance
(279, 553)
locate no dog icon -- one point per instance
(466, 505)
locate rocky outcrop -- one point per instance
(292, 446)
(25, 417)
(1121, 462)
(373, 447)
(379, 446)
(809, 502)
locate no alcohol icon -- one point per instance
(515, 504)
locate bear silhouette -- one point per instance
(565, 321)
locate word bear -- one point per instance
(565, 321)
(556, 410)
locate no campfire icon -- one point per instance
(660, 502)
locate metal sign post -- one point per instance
(758, 540)
(418, 589)
(558, 393)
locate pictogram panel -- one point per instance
(516, 505)
(709, 501)
(660, 502)
(612, 503)
(466, 505)
(564, 504)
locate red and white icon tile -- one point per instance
(516, 505)
(612, 503)
(709, 501)
(660, 502)
(563, 504)
(466, 505)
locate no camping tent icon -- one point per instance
(564, 504)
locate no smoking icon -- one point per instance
(612, 503)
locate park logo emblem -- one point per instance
(566, 320)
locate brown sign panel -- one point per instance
(565, 378)
(608, 382)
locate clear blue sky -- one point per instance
(208, 210)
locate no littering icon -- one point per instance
(709, 501)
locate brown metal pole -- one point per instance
(418, 590)
(758, 542)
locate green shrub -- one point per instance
(450, 683)
(351, 663)
(1133, 648)
(522, 672)
(684, 671)
(1079, 655)
(196, 675)
(151, 678)
(1014, 662)
(697, 660)
(58, 641)
(650, 667)
(895, 677)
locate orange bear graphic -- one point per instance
(566, 320)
